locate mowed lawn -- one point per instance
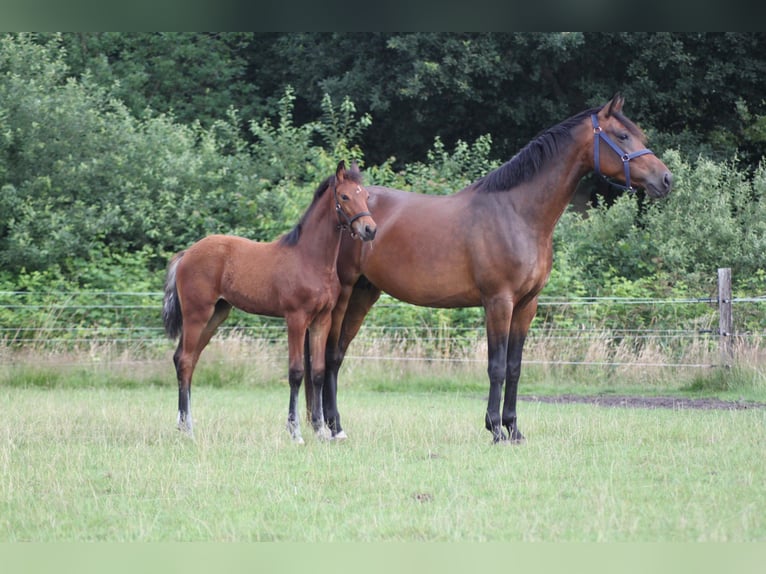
(106, 464)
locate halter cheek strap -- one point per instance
(598, 135)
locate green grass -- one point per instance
(106, 463)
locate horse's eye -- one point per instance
(623, 137)
(345, 197)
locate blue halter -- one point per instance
(599, 134)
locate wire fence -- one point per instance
(588, 331)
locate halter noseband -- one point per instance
(599, 134)
(342, 214)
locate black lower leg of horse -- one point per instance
(362, 298)
(184, 400)
(307, 372)
(184, 391)
(333, 360)
(496, 372)
(317, 412)
(513, 373)
(295, 377)
(331, 414)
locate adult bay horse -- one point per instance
(293, 277)
(490, 244)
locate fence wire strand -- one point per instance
(99, 318)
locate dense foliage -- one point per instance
(118, 149)
(700, 91)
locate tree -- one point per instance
(701, 92)
(196, 76)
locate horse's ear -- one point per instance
(340, 173)
(354, 167)
(615, 105)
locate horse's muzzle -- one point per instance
(660, 188)
(367, 231)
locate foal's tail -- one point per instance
(171, 306)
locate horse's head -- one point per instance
(351, 202)
(619, 152)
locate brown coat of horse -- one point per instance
(489, 245)
(293, 277)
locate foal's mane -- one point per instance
(545, 146)
(291, 237)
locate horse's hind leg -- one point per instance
(184, 421)
(184, 362)
(196, 335)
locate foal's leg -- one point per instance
(296, 332)
(347, 319)
(185, 359)
(498, 311)
(522, 319)
(197, 332)
(317, 340)
(183, 374)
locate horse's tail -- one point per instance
(171, 306)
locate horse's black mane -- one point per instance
(526, 163)
(291, 237)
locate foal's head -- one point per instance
(351, 202)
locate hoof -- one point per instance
(499, 438)
(295, 432)
(323, 434)
(339, 437)
(511, 442)
(184, 423)
(515, 436)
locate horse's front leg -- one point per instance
(513, 372)
(317, 338)
(296, 328)
(522, 319)
(295, 377)
(498, 312)
(347, 318)
(333, 360)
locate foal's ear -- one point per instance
(340, 172)
(615, 105)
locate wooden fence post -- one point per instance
(725, 341)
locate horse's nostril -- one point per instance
(668, 179)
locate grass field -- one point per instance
(105, 463)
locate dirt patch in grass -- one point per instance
(647, 402)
